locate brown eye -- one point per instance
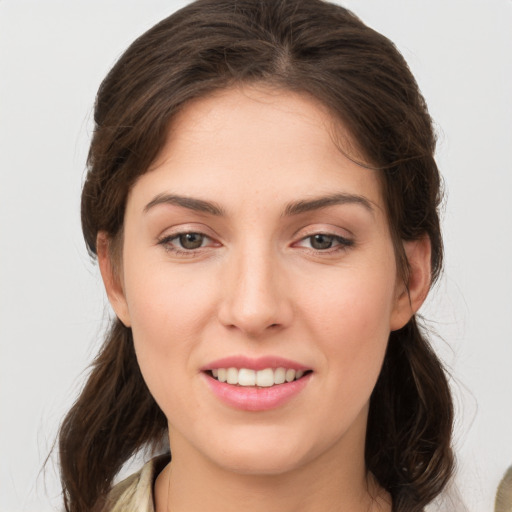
(321, 241)
(325, 242)
(191, 240)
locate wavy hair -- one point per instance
(306, 46)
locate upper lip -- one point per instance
(259, 363)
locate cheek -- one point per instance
(351, 304)
(352, 329)
(168, 311)
(166, 304)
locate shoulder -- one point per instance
(135, 493)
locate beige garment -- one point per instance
(135, 493)
(504, 494)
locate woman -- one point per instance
(262, 199)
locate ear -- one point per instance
(410, 296)
(110, 274)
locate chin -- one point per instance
(260, 454)
(261, 464)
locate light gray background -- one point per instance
(53, 55)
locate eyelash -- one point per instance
(342, 243)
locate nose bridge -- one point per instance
(254, 298)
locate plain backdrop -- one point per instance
(53, 55)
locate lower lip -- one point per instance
(257, 399)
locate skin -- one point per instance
(260, 286)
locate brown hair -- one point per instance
(308, 46)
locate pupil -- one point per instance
(191, 240)
(321, 241)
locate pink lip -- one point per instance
(259, 363)
(256, 399)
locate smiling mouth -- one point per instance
(265, 378)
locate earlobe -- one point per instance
(410, 298)
(111, 278)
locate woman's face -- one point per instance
(254, 251)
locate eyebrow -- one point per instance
(318, 203)
(291, 209)
(198, 205)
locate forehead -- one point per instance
(247, 108)
(244, 141)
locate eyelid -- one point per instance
(342, 241)
(323, 229)
(183, 228)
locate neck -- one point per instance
(193, 484)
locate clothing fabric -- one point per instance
(135, 493)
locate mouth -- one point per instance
(256, 384)
(264, 378)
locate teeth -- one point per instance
(232, 376)
(265, 378)
(261, 378)
(279, 376)
(290, 375)
(246, 377)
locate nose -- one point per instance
(254, 293)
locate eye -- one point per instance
(321, 241)
(185, 242)
(325, 241)
(191, 240)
